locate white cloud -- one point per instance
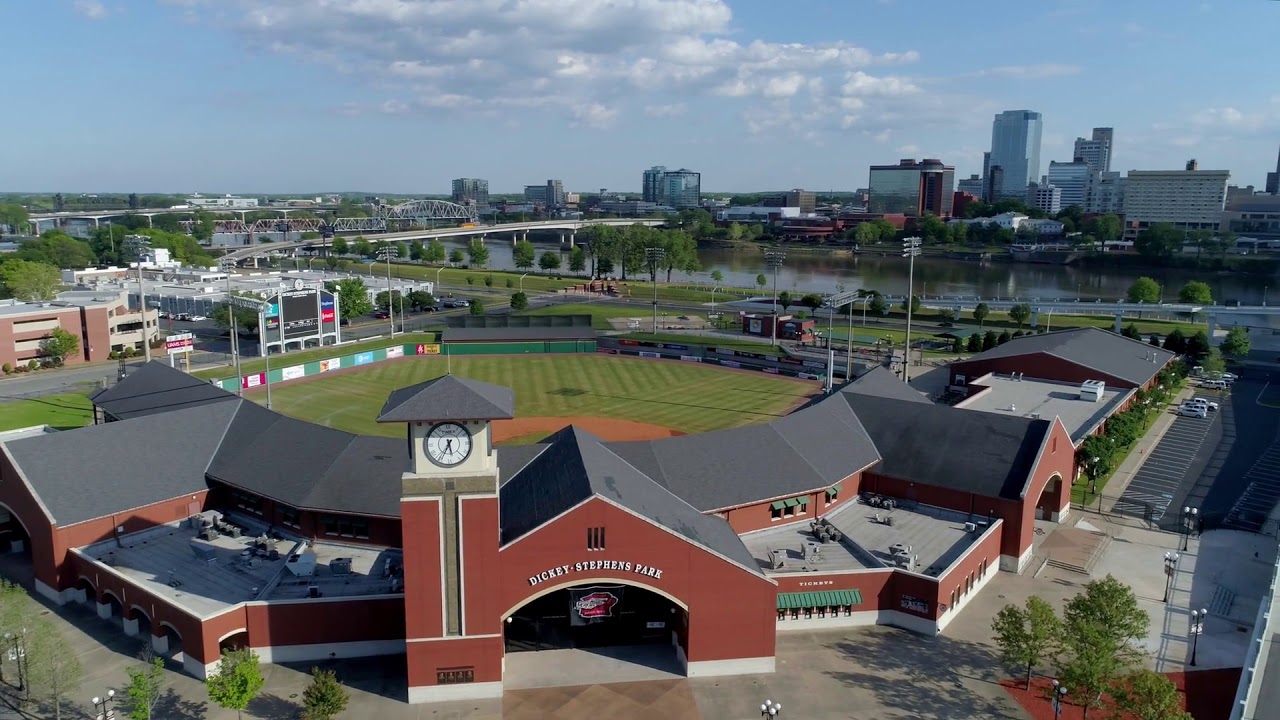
(1031, 72)
(909, 149)
(587, 59)
(92, 9)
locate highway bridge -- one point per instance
(567, 228)
(98, 215)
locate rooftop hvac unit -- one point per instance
(1092, 390)
(970, 527)
(340, 566)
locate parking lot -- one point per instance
(1164, 474)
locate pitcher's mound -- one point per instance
(523, 431)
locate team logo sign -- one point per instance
(598, 604)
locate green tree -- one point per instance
(1213, 363)
(761, 281)
(957, 345)
(877, 304)
(519, 301)
(477, 308)
(549, 260)
(146, 684)
(1100, 629)
(813, 301)
(61, 344)
(417, 251)
(980, 313)
(915, 304)
(1148, 695)
(202, 231)
(1236, 343)
(1003, 337)
(523, 255)
(866, 233)
(339, 246)
(1196, 293)
(1144, 290)
(717, 277)
(989, 340)
(1160, 241)
(456, 256)
(1175, 341)
(1107, 229)
(30, 281)
(435, 252)
(52, 670)
(237, 681)
(946, 315)
(974, 343)
(735, 232)
(362, 247)
(1020, 313)
(1026, 636)
(785, 300)
(14, 216)
(1131, 331)
(420, 299)
(577, 260)
(57, 248)
(325, 697)
(1103, 449)
(246, 318)
(477, 253)
(932, 229)
(353, 298)
(488, 280)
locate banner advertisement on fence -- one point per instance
(730, 364)
(431, 349)
(252, 381)
(670, 346)
(364, 358)
(395, 351)
(293, 372)
(331, 364)
(690, 358)
(607, 351)
(771, 371)
(650, 354)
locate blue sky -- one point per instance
(400, 96)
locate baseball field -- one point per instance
(616, 398)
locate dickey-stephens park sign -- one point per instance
(591, 565)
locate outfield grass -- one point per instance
(304, 356)
(61, 411)
(682, 396)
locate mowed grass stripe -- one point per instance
(683, 396)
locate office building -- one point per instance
(101, 320)
(971, 185)
(806, 201)
(1191, 199)
(1044, 196)
(535, 194)
(993, 184)
(471, 191)
(1015, 147)
(226, 201)
(986, 176)
(682, 189)
(555, 193)
(651, 189)
(1073, 180)
(1254, 220)
(1273, 183)
(959, 199)
(1106, 193)
(912, 188)
(1097, 150)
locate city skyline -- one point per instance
(405, 97)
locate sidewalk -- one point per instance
(1123, 475)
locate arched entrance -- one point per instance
(15, 548)
(618, 631)
(1052, 499)
(236, 640)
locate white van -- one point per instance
(1214, 384)
(1194, 410)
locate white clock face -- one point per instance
(448, 444)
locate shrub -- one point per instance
(33, 365)
(6, 368)
(488, 281)
(471, 280)
(511, 283)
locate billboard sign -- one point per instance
(293, 372)
(395, 351)
(252, 381)
(364, 358)
(430, 349)
(300, 314)
(180, 343)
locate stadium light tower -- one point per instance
(227, 265)
(773, 259)
(910, 249)
(654, 256)
(389, 252)
(137, 244)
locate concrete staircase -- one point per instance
(1082, 562)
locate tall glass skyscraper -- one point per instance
(1015, 148)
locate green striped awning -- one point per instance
(833, 490)
(778, 505)
(792, 502)
(824, 598)
(804, 500)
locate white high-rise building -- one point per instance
(1186, 199)
(1073, 179)
(1044, 196)
(1106, 193)
(1015, 148)
(1096, 151)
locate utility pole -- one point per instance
(654, 256)
(773, 259)
(910, 249)
(137, 244)
(389, 252)
(227, 265)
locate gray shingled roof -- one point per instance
(881, 382)
(449, 397)
(983, 453)
(103, 469)
(155, 388)
(575, 466)
(516, 334)
(806, 450)
(1094, 348)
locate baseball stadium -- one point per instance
(508, 492)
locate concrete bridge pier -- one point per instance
(1212, 320)
(567, 239)
(1035, 317)
(1119, 321)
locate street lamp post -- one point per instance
(1170, 568)
(769, 709)
(227, 265)
(1059, 698)
(1198, 619)
(18, 652)
(522, 282)
(389, 252)
(654, 256)
(848, 343)
(1190, 516)
(910, 249)
(102, 709)
(773, 259)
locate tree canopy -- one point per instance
(1236, 343)
(1144, 290)
(30, 281)
(237, 681)
(1196, 292)
(1161, 241)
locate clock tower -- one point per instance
(451, 535)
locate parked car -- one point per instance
(197, 318)
(1214, 384)
(185, 317)
(382, 315)
(1213, 406)
(1198, 411)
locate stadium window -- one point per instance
(290, 516)
(360, 528)
(595, 538)
(775, 513)
(330, 524)
(247, 502)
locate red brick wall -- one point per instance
(422, 569)
(1037, 365)
(759, 516)
(95, 342)
(330, 621)
(985, 554)
(481, 571)
(483, 655)
(17, 497)
(383, 532)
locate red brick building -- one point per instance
(243, 527)
(102, 321)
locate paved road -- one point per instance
(1166, 471)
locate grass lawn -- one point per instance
(60, 411)
(296, 357)
(727, 341)
(682, 396)
(600, 313)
